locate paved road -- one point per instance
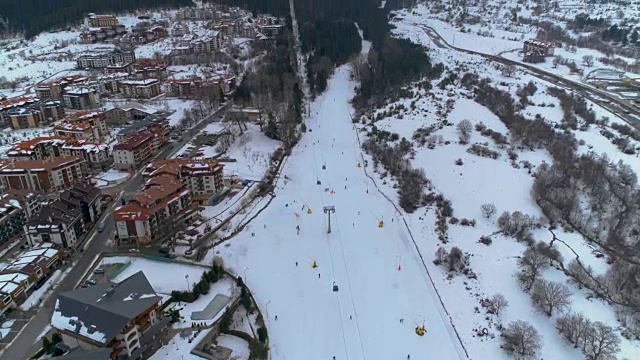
(24, 345)
(623, 108)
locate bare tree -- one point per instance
(550, 296)
(240, 119)
(441, 255)
(602, 343)
(497, 303)
(550, 251)
(509, 70)
(587, 60)
(456, 260)
(530, 264)
(574, 327)
(521, 340)
(464, 128)
(488, 210)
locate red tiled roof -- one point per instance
(34, 165)
(134, 141)
(157, 189)
(174, 166)
(16, 101)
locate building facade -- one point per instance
(64, 221)
(204, 178)
(105, 59)
(81, 98)
(144, 218)
(48, 175)
(144, 89)
(103, 20)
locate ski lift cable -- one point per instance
(355, 313)
(333, 273)
(337, 225)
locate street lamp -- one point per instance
(245, 274)
(188, 285)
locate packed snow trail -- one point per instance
(379, 276)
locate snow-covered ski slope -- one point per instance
(377, 269)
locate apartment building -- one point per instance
(85, 125)
(64, 221)
(149, 68)
(12, 290)
(12, 218)
(190, 43)
(22, 275)
(104, 59)
(47, 175)
(145, 217)
(196, 87)
(144, 89)
(103, 20)
(96, 155)
(25, 118)
(202, 177)
(109, 83)
(13, 103)
(96, 34)
(35, 115)
(125, 317)
(80, 98)
(130, 111)
(135, 151)
(179, 29)
(55, 89)
(15, 208)
(25, 199)
(544, 48)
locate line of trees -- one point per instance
(273, 88)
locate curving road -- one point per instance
(622, 108)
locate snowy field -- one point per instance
(313, 319)
(252, 150)
(176, 106)
(164, 277)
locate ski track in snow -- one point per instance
(377, 270)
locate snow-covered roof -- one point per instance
(142, 82)
(101, 311)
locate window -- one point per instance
(7, 300)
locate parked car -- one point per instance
(90, 282)
(99, 271)
(101, 227)
(164, 250)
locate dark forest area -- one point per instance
(35, 16)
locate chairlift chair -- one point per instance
(335, 287)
